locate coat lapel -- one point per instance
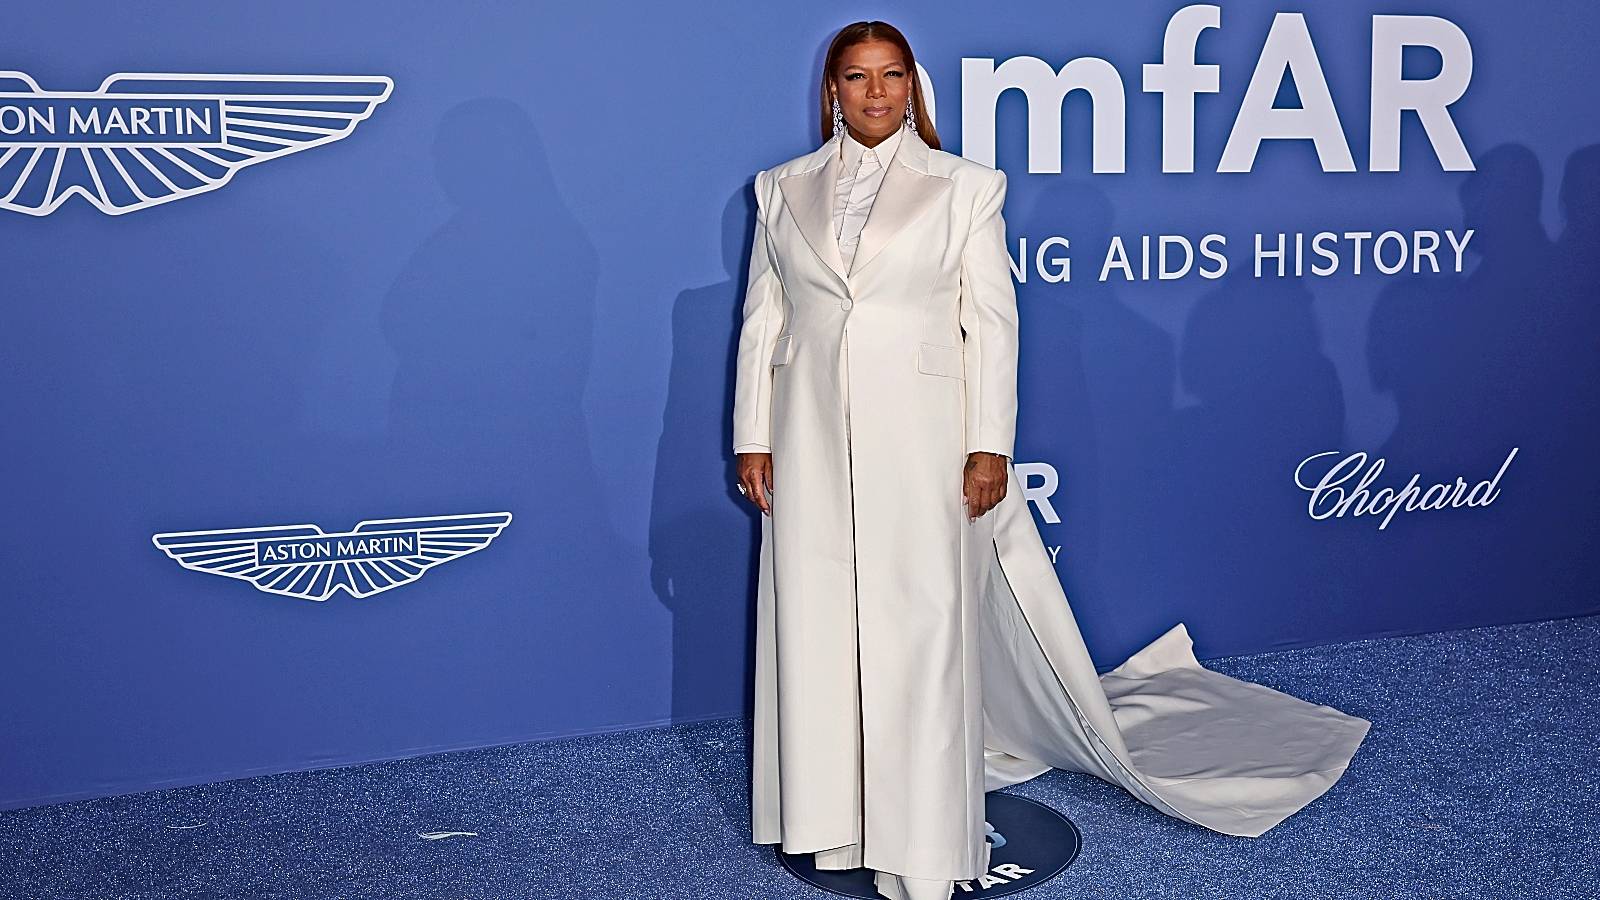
(908, 190)
(809, 197)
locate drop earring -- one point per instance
(911, 117)
(838, 119)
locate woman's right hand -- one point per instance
(755, 475)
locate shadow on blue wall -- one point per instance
(492, 321)
(1504, 356)
(704, 536)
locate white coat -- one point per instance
(906, 659)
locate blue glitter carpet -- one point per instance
(1478, 779)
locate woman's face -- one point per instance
(872, 84)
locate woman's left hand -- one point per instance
(983, 482)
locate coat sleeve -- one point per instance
(758, 337)
(989, 318)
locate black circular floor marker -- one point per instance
(1030, 844)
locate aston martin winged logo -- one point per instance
(145, 138)
(302, 561)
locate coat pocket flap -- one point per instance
(936, 360)
(780, 351)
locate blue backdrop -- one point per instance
(515, 287)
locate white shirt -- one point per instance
(860, 176)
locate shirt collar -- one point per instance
(850, 149)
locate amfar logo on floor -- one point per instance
(1029, 844)
(302, 561)
(144, 138)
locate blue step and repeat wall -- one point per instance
(367, 366)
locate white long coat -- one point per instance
(908, 660)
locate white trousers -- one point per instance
(889, 884)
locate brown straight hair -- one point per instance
(855, 33)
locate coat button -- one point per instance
(845, 303)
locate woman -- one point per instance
(914, 647)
